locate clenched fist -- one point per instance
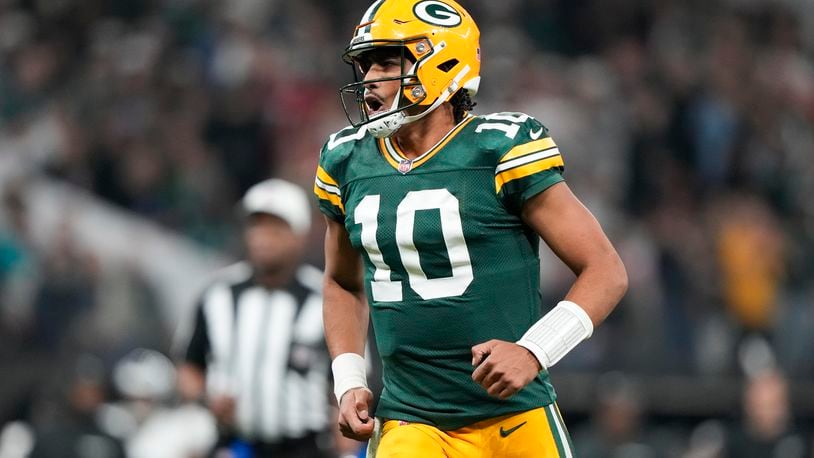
(503, 368)
(355, 421)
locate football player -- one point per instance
(441, 212)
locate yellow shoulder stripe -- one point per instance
(526, 148)
(525, 170)
(323, 175)
(332, 198)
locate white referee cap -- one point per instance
(282, 199)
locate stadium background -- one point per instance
(129, 129)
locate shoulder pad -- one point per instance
(344, 140)
(501, 132)
(511, 128)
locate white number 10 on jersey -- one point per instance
(382, 287)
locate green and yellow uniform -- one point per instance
(448, 261)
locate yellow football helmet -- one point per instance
(440, 55)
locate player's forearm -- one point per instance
(599, 286)
(576, 237)
(345, 315)
(579, 241)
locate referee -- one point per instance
(257, 356)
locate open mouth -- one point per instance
(374, 105)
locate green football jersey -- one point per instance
(448, 261)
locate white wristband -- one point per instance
(349, 371)
(557, 333)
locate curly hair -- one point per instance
(461, 103)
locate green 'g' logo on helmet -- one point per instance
(437, 13)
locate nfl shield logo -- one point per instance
(405, 166)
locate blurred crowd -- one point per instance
(687, 127)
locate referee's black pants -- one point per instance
(304, 447)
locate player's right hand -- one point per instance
(355, 421)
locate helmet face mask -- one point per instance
(437, 42)
(409, 95)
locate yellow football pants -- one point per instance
(538, 433)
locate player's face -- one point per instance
(271, 245)
(380, 63)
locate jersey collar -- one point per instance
(396, 158)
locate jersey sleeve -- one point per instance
(531, 165)
(326, 188)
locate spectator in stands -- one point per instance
(257, 354)
(617, 427)
(66, 292)
(17, 272)
(768, 428)
(70, 428)
(751, 255)
(153, 428)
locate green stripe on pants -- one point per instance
(560, 433)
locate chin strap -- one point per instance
(387, 125)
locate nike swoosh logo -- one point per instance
(535, 135)
(505, 433)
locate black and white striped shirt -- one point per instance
(266, 348)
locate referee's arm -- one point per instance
(192, 370)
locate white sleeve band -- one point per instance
(349, 371)
(557, 333)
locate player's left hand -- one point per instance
(503, 368)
